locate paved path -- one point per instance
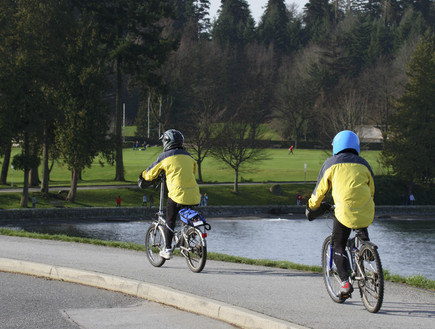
(246, 296)
(37, 303)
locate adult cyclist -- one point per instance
(350, 178)
(180, 169)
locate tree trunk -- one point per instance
(5, 166)
(33, 177)
(45, 169)
(236, 181)
(25, 195)
(73, 190)
(199, 171)
(119, 176)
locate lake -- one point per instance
(406, 245)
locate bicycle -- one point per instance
(190, 239)
(366, 269)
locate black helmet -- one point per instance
(172, 139)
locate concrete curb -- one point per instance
(185, 301)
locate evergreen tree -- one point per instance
(409, 149)
(235, 26)
(132, 32)
(34, 41)
(81, 131)
(318, 18)
(191, 18)
(273, 27)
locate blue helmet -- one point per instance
(345, 139)
(172, 139)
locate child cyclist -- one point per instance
(350, 178)
(183, 190)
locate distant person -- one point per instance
(183, 190)
(350, 178)
(202, 201)
(144, 146)
(411, 199)
(144, 200)
(290, 150)
(299, 200)
(205, 200)
(33, 202)
(118, 201)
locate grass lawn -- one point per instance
(280, 166)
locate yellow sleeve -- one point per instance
(322, 187)
(153, 173)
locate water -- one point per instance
(406, 246)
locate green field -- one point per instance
(280, 167)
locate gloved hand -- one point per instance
(142, 183)
(312, 214)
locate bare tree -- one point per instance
(296, 96)
(237, 147)
(349, 111)
(201, 132)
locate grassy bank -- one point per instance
(415, 281)
(279, 167)
(132, 197)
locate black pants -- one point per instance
(340, 235)
(172, 209)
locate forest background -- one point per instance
(68, 67)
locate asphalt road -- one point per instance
(287, 296)
(36, 303)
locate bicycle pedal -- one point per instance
(346, 296)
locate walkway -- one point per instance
(243, 295)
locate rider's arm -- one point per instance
(322, 188)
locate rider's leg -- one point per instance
(364, 234)
(340, 235)
(172, 209)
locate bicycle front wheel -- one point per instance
(195, 250)
(371, 287)
(154, 242)
(330, 274)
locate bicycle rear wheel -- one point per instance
(372, 286)
(154, 242)
(195, 250)
(330, 274)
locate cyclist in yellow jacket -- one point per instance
(350, 178)
(180, 169)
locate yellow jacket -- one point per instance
(180, 169)
(351, 180)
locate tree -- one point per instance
(81, 132)
(273, 27)
(237, 147)
(200, 133)
(296, 97)
(191, 18)
(132, 31)
(318, 16)
(32, 39)
(235, 25)
(409, 148)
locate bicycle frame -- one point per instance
(365, 269)
(190, 240)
